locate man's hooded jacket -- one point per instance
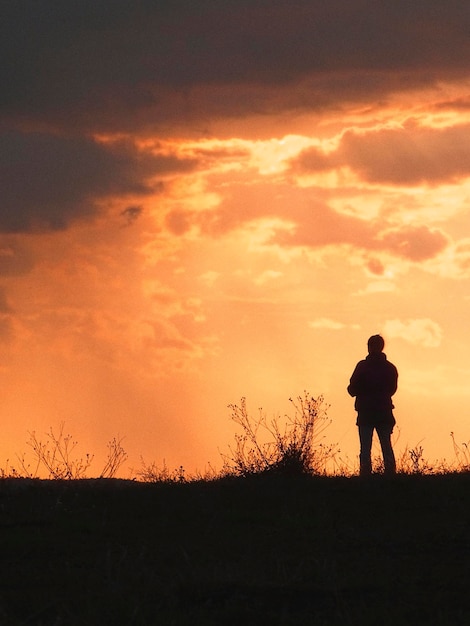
(373, 383)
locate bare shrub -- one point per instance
(55, 455)
(116, 457)
(292, 445)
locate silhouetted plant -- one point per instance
(462, 454)
(419, 465)
(116, 457)
(153, 473)
(11, 472)
(55, 456)
(412, 461)
(289, 446)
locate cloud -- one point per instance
(455, 262)
(179, 221)
(319, 226)
(48, 181)
(415, 243)
(375, 267)
(422, 332)
(267, 276)
(407, 156)
(330, 324)
(117, 64)
(377, 286)
(300, 218)
(209, 278)
(15, 258)
(327, 323)
(131, 213)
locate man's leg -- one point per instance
(385, 434)
(365, 438)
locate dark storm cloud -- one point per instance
(402, 156)
(120, 64)
(47, 181)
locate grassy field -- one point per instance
(243, 551)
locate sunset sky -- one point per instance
(214, 199)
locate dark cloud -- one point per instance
(6, 312)
(409, 156)
(48, 181)
(404, 156)
(457, 104)
(313, 160)
(211, 155)
(121, 64)
(132, 213)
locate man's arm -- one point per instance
(353, 387)
(393, 380)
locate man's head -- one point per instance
(375, 344)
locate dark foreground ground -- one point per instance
(236, 552)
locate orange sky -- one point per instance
(208, 201)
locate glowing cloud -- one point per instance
(330, 324)
(422, 332)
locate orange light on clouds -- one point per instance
(174, 327)
(176, 235)
(158, 334)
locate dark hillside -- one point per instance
(261, 550)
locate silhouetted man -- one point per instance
(373, 383)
